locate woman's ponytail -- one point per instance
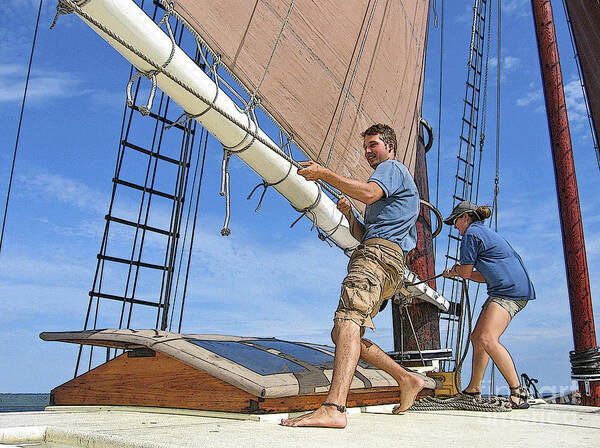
(482, 212)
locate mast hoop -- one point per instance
(437, 214)
(429, 130)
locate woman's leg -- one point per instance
(492, 322)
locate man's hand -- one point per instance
(312, 170)
(344, 206)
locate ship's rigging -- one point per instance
(247, 101)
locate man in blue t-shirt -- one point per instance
(375, 270)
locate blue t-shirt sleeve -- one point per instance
(469, 248)
(388, 176)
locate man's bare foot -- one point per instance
(410, 386)
(324, 417)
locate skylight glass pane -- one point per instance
(306, 354)
(259, 361)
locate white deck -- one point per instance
(103, 427)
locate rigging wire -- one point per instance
(497, 177)
(203, 138)
(14, 158)
(439, 126)
(189, 260)
(484, 107)
(285, 22)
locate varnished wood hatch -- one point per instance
(213, 372)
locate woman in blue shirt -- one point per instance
(486, 257)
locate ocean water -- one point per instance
(23, 402)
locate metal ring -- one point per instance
(429, 130)
(437, 214)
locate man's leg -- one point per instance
(410, 385)
(346, 336)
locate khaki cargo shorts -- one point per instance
(512, 306)
(375, 274)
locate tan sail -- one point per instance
(584, 16)
(325, 83)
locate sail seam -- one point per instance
(349, 89)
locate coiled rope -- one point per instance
(461, 403)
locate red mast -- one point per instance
(582, 318)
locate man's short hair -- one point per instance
(386, 133)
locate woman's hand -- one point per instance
(448, 273)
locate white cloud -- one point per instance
(529, 98)
(520, 8)
(43, 85)
(576, 107)
(50, 185)
(510, 63)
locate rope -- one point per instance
(473, 32)
(461, 403)
(497, 178)
(266, 184)
(424, 281)
(225, 231)
(466, 303)
(585, 363)
(151, 75)
(14, 158)
(308, 210)
(64, 9)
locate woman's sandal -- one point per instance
(520, 394)
(471, 394)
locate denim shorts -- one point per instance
(512, 306)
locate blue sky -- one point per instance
(265, 279)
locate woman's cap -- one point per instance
(459, 210)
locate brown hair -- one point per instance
(386, 133)
(483, 212)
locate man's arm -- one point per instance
(367, 192)
(356, 228)
(465, 271)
